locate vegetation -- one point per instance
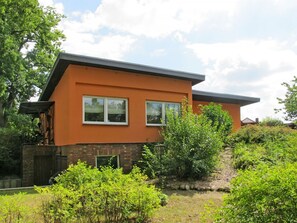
(220, 119)
(271, 122)
(86, 194)
(183, 206)
(29, 44)
(20, 129)
(289, 103)
(190, 150)
(266, 194)
(262, 144)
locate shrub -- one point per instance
(10, 151)
(261, 144)
(266, 194)
(271, 122)
(12, 209)
(191, 145)
(20, 129)
(220, 119)
(86, 194)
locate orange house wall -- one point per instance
(79, 81)
(233, 109)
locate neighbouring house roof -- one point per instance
(223, 98)
(65, 59)
(35, 108)
(248, 121)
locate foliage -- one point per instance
(261, 144)
(271, 122)
(267, 194)
(220, 119)
(20, 129)
(155, 161)
(289, 103)
(190, 150)
(29, 44)
(12, 209)
(86, 194)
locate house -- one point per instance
(96, 109)
(248, 121)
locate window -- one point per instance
(97, 110)
(156, 111)
(112, 161)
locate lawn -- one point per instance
(183, 206)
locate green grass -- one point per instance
(189, 206)
(16, 191)
(183, 206)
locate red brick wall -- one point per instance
(128, 153)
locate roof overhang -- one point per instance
(65, 59)
(35, 108)
(223, 98)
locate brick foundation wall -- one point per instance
(128, 153)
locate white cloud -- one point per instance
(108, 46)
(160, 18)
(58, 6)
(248, 67)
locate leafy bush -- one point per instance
(10, 151)
(266, 194)
(220, 119)
(12, 209)
(86, 194)
(271, 122)
(261, 144)
(19, 130)
(191, 145)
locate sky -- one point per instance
(243, 47)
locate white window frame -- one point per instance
(117, 156)
(163, 112)
(105, 105)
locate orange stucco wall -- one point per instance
(233, 109)
(79, 81)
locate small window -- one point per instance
(112, 161)
(97, 110)
(156, 111)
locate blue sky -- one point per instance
(243, 47)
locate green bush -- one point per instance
(86, 194)
(13, 210)
(10, 151)
(191, 145)
(271, 122)
(266, 194)
(261, 144)
(220, 119)
(19, 130)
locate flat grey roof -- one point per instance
(65, 59)
(35, 108)
(223, 98)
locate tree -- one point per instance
(29, 44)
(290, 101)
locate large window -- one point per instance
(112, 161)
(156, 111)
(99, 110)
